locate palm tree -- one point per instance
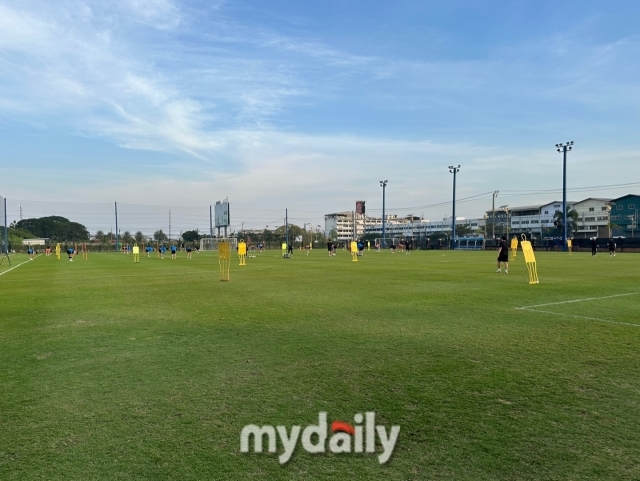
(572, 221)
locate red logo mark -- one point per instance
(341, 426)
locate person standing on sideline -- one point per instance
(503, 255)
(594, 247)
(612, 248)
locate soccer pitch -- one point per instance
(111, 370)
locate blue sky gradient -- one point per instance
(307, 105)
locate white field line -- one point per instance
(15, 267)
(582, 317)
(150, 274)
(577, 300)
(534, 308)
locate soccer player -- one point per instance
(188, 252)
(47, 250)
(173, 251)
(612, 248)
(407, 246)
(162, 250)
(30, 252)
(503, 255)
(149, 249)
(70, 253)
(197, 248)
(330, 247)
(594, 247)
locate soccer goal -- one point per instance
(209, 244)
(388, 242)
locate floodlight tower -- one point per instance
(493, 218)
(505, 208)
(454, 170)
(564, 148)
(383, 184)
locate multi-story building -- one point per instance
(593, 217)
(529, 219)
(347, 225)
(624, 215)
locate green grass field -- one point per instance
(115, 371)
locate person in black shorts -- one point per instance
(612, 248)
(188, 252)
(503, 254)
(330, 247)
(594, 247)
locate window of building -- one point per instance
(591, 209)
(631, 206)
(603, 208)
(589, 219)
(546, 212)
(619, 207)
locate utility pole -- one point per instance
(383, 184)
(454, 170)
(493, 210)
(353, 220)
(211, 222)
(116, 206)
(564, 148)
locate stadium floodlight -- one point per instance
(564, 148)
(505, 208)
(454, 170)
(383, 184)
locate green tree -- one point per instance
(160, 236)
(191, 236)
(139, 237)
(463, 230)
(55, 228)
(572, 222)
(15, 237)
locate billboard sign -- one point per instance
(222, 217)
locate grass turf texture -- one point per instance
(116, 371)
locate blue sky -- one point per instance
(307, 105)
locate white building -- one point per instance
(35, 242)
(593, 217)
(534, 218)
(347, 225)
